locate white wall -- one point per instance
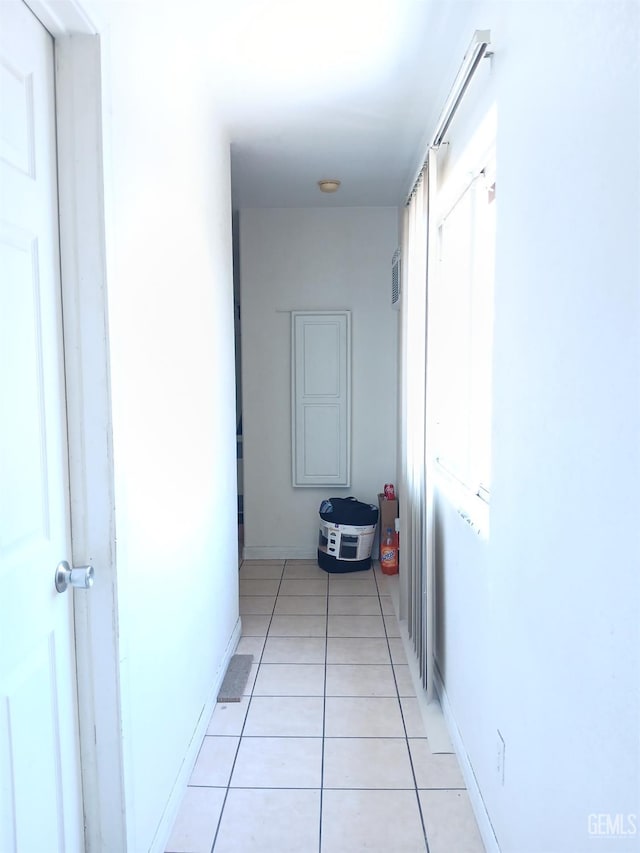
(538, 626)
(313, 259)
(172, 353)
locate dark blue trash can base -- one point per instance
(347, 529)
(336, 566)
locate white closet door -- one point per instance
(321, 392)
(40, 790)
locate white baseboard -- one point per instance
(482, 816)
(173, 805)
(440, 726)
(278, 552)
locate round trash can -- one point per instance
(347, 530)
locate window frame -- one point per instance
(468, 482)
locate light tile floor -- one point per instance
(326, 751)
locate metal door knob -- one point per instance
(80, 577)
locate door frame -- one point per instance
(81, 191)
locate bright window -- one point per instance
(463, 331)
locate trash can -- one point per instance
(347, 530)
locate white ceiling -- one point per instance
(343, 89)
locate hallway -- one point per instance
(327, 750)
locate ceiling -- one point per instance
(343, 89)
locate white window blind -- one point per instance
(463, 305)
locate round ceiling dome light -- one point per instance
(328, 186)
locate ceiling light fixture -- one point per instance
(329, 186)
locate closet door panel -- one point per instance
(321, 390)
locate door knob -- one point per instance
(80, 577)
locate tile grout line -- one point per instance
(406, 736)
(324, 714)
(244, 722)
(280, 596)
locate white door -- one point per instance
(40, 801)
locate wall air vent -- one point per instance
(395, 280)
